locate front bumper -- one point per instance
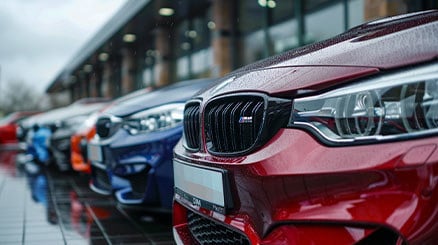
(295, 187)
(102, 179)
(78, 155)
(143, 163)
(61, 152)
(147, 165)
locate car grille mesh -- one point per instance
(102, 179)
(233, 124)
(192, 125)
(208, 232)
(139, 181)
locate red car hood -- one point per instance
(363, 51)
(285, 79)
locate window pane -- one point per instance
(324, 23)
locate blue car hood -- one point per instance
(179, 92)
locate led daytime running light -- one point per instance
(391, 106)
(156, 119)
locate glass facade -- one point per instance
(193, 53)
(209, 38)
(282, 28)
(264, 28)
(148, 74)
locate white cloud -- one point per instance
(38, 38)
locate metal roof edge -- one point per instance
(123, 15)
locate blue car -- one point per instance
(131, 154)
(38, 147)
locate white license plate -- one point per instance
(95, 153)
(202, 187)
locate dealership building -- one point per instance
(151, 43)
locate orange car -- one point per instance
(79, 140)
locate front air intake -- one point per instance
(206, 231)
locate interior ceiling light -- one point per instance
(191, 34)
(88, 68)
(129, 38)
(185, 46)
(211, 25)
(166, 11)
(151, 52)
(267, 3)
(69, 81)
(103, 56)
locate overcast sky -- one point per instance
(38, 37)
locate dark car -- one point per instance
(76, 115)
(331, 143)
(131, 154)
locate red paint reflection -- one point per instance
(82, 219)
(8, 162)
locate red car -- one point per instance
(331, 143)
(8, 127)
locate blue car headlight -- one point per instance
(155, 119)
(393, 106)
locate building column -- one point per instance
(71, 90)
(79, 85)
(140, 61)
(128, 66)
(379, 9)
(106, 88)
(77, 89)
(84, 80)
(98, 80)
(116, 77)
(72, 93)
(165, 60)
(110, 83)
(92, 85)
(226, 40)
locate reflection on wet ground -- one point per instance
(39, 205)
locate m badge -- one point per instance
(245, 120)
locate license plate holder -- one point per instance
(95, 153)
(202, 186)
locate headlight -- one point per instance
(388, 107)
(155, 119)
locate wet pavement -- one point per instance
(40, 205)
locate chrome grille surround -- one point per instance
(192, 125)
(238, 124)
(234, 124)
